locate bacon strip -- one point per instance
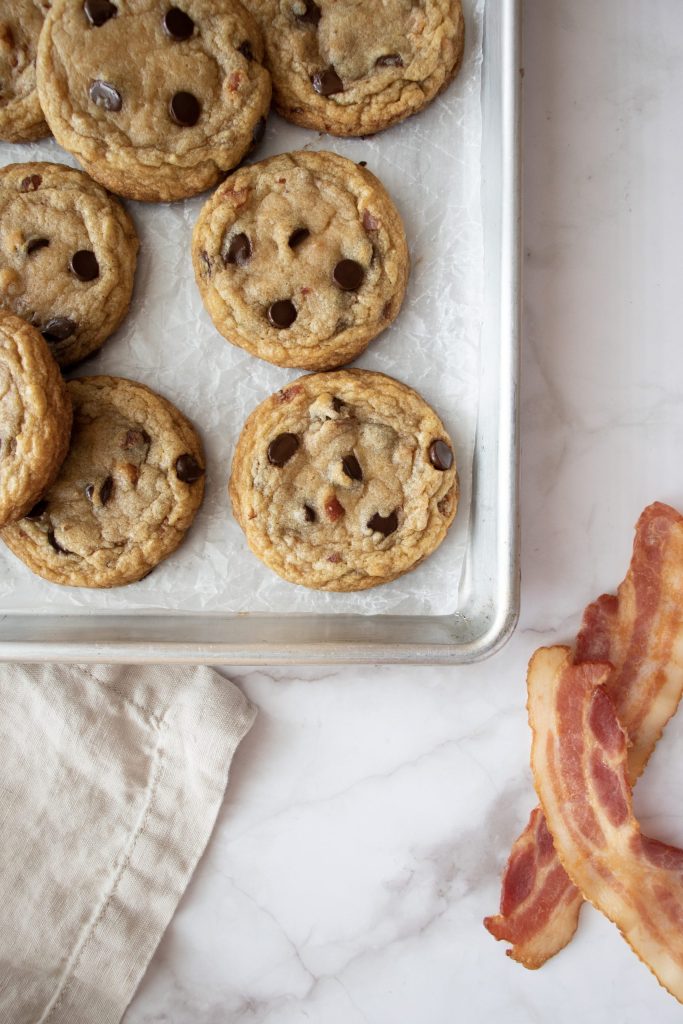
(640, 633)
(579, 762)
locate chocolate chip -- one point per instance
(259, 131)
(135, 438)
(90, 492)
(84, 265)
(298, 236)
(35, 244)
(384, 524)
(188, 469)
(52, 540)
(309, 514)
(246, 50)
(105, 95)
(106, 490)
(177, 24)
(390, 60)
(31, 183)
(37, 510)
(352, 468)
(98, 11)
(348, 275)
(281, 449)
(311, 15)
(327, 82)
(337, 404)
(440, 456)
(362, 163)
(185, 109)
(59, 328)
(239, 250)
(282, 313)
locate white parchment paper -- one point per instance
(431, 166)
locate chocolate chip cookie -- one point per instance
(21, 118)
(35, 418)
(301, 259)
(67, 256)
(344, 480)
(126, 495)
(354, 67)
(157, 101)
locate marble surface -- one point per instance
(370, 810)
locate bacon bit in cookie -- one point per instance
(238, 196)
(370, 223)
(235, 81)
(6, 37)
(335, 558)
(306, 290)
(281, 181)
(134, 438)
(289, 393)
(129, 471)
(206, 261)
(252, 514)
(445, 504)
(386, 312)
(31, 183)
(333, 509)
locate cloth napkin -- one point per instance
(111, 780)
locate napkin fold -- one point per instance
(111, 780)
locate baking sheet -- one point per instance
(431, 165)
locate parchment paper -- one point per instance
(431, 166)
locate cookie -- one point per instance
(21, 117)
(344, 480)
(126, 495)
(301, 259)
(67, 256)
(35, 418)
(156, 101)
(353, 67)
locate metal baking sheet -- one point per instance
(488, 592)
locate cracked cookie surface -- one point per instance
(353, 67)
(343, 481)
(21, 117)
(127, 493)
(35, 418)
(156, 101)
(67, 256)
(301, 259)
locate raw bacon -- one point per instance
(579, 763)
(640, 633)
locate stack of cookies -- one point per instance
(343, 479)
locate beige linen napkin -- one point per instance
(112, 778)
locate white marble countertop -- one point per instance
(370, 811)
